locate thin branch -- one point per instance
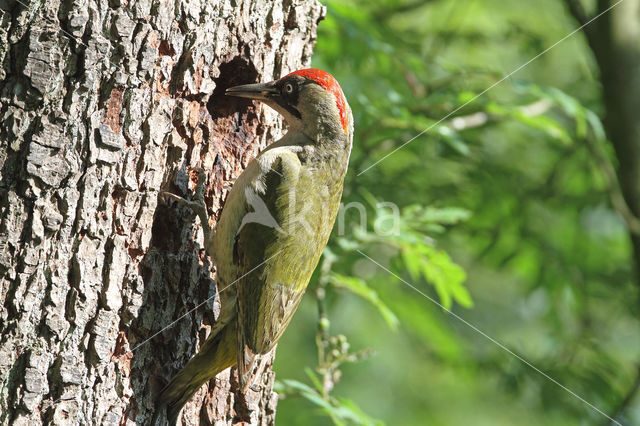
(417, 88)
(322, 336)
(540, 107)
(578, 12)
(631, 394)
(478, 119)
(459, 123)
(447, 81)
(615, 193)
(603, 5)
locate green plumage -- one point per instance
(274, 226)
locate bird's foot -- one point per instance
(197, 205)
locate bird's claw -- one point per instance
(197, 205)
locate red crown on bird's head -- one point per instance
(328, 82)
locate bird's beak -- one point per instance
(260, 91)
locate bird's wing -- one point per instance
(275, 258)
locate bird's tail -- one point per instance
(217, 354)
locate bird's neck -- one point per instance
(325, 142)
(327, 152)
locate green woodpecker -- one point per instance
(274, 225)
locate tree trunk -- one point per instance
(103, 106)
(615, 42)
(614, 39)
(618, 56)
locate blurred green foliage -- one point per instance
(504, 219)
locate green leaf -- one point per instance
(348, 410)
(545, 124)
(461, 294)
(437, 268)
(341, 411)
(314, 378)
(413, 262)
(290, 386)
(359, 287)
(450, 215)
(430, 326)
(596, 125)
(453, 139)
(464, 97)
(347, 244)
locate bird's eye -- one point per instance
(288, 88)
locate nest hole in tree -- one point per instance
(233, 73)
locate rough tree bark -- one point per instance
(103, 105)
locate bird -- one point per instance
(273, 228)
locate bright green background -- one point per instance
(509, 224)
